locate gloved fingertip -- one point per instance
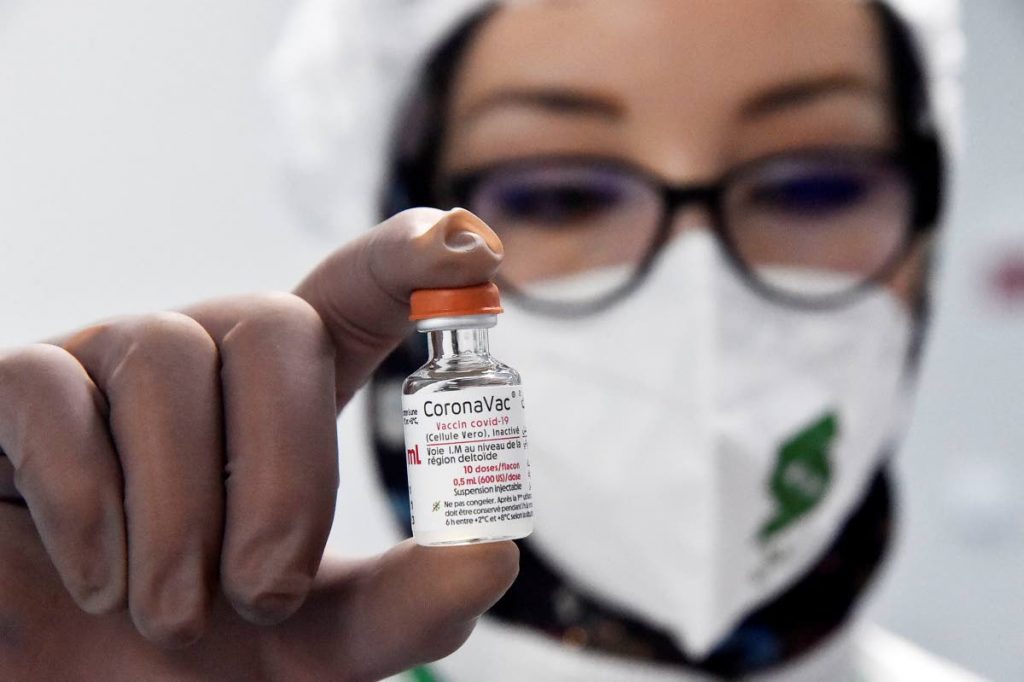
(99, 598)
(171, 628)
(267, 609)
(425, 248)
(267, 602)
(477, 575)
(463, 231)
(489, 570)
(93, 563)
(171, 607)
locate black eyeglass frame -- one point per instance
(674, 198)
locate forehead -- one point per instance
(666, 52)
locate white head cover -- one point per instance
(342, 66)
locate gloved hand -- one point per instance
(183, 466)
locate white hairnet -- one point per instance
(342, 66)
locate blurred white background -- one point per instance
(137, 172)
(136, 159)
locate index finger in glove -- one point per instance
(362, 290)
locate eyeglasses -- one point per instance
(844, 215)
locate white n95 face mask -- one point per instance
(695, 449)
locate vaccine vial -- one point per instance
(465, 435)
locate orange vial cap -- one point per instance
(482, 299)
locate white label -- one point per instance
(467, 462)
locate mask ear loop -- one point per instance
(925, 157)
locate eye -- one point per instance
(811, 194)
(557, 203)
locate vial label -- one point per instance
(466, 454)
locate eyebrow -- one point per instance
(574, 102)
(803, 92)
(555, 100)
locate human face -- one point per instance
(685, 90)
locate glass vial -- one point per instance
(465, 435)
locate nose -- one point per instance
(690, 218)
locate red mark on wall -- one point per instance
(1006, 278)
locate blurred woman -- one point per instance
(717, 219)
